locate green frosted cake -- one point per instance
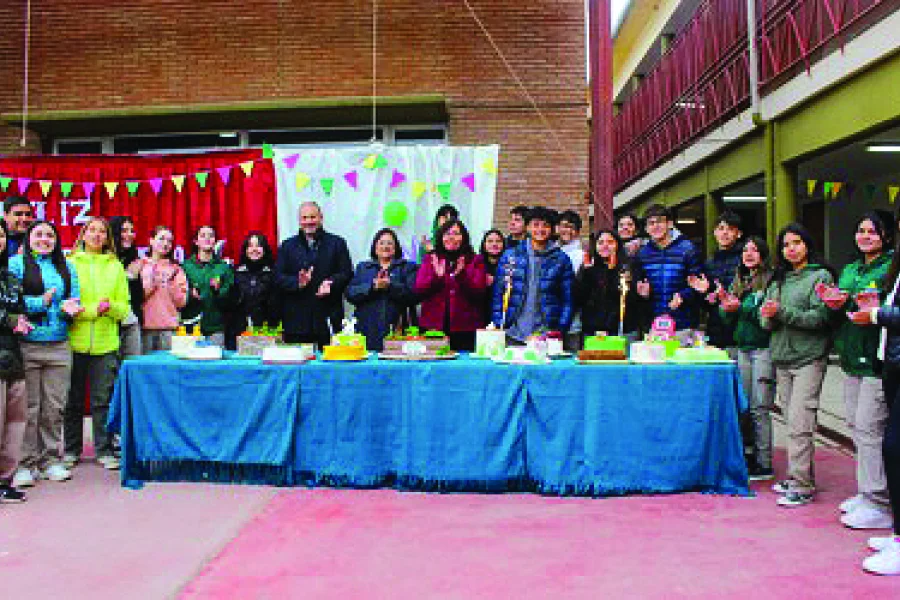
(607, 342)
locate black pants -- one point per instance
(98, 372)
(891, 446)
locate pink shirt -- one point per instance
(165, 293)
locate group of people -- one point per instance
(67, 322)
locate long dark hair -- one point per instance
(881, 228)
(621, 255)
(745, 280)
(32, 282)
(398, 251)
(465, 248)
(267, 259)
(482, 250)
(126, 255)
(782, 266)
(4, 251)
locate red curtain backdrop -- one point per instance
(244, 204)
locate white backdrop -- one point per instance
(419, 174)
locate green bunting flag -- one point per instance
(444, 190)
(65, 188)
(201, 178)
(132, 187)
(4, 182)
(327, 185)
(267, 151)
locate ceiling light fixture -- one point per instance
(884, 147)
(744, 198)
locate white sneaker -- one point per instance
(850, 504)
(866, 516)
(110, 463)
(880, 543)
(70, 460)
(57, 472)
(23, 478)
(886, 562)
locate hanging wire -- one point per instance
(374, 71)
(25, 90)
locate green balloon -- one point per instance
(395, 214)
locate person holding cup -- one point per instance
(798, 320)
(859, 288)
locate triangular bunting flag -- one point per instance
(352, 179)
(111, 187)
(24, 182)
(327, 185)
(397, 179)
(444, 190)
(156, 185)
(202, 176)
(369, 163)
(811, 187)
(66, 188)
(380, 162)
(178, 180)
(489, 167)
(469, 181)
(132, 187)
(224, 174)
(4, 183)
(291, 161)
(88, 189)
(302, 180)
(247, 168)
(418, 189)
(893, 190)
(836, 187)
(45, 187)
(870, 192)
(267, 151)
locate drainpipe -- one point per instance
(754, 61)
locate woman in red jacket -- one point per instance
(452, 283)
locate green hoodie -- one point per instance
(748, 333)
(800, 330)
(858, 346)
(212, 303)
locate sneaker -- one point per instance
(761, 474)
(886, 562)
(23, 478)
(10, 495)
(57, 472)
(850, 504)
(880, 543)
(110, 463)
(793, 499)
(70, 460)
(866, 516)
(782, 487)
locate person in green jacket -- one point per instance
(210, 282)
(94, 337)
(857, 347)
(798, 320)
(740, 309)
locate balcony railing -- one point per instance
(703, 78)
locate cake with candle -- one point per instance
(604, 347)
(346, 345)
(183, 340)
(254, 340)
(490, 342)
(412, 343)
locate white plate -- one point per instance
(383, 356)
(519, 362)
(679, 361)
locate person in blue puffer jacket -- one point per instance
(668, 261)
(540, 275)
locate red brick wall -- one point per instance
(108, 54)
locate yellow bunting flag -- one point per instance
(111, 187)
(178, 180)
(247, 168)
(489, 167)
(302, 180)
(810, 186)
(836, 188)
(893, 190)
(45, 187)
(418, 189)
(369, 163)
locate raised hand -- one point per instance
(676, 301)
(48, 296)
(730, 303)
(439, 265)
(304, 277)
(103, 307)
(23, 327)
(324, 288)
(699, 283)
(72, 307)
(643, 288)
(769, 309)
(382, 280)
(862, 317)
(460, 265)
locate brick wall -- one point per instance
(107, 54)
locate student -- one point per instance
(493, 245)
(740, 310)
(124, 236)
(516, 226)
(382, 289)
(800, 342)
(857, 348)
(13, 403)
(164, 287)
(209, 286)
(541, 277)
(94, 336)
(50, 286)
(668, 261)
(18, 216)
(629, 230)
(445, 213)
(257, 302)
(451, 284)
(568, 230)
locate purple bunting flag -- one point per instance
(291, 161)
(24, 182)
(224, 174)
(352, 179)
(156, 184)
(88, 188)
(469, 181)
(397, 179)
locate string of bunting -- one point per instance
(831, 189)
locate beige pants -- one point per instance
(798, 393)
(867, 416)
(48, 368)
(13, 416)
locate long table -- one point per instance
(459, 425)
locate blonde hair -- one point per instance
(109, 247)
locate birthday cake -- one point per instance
(288, 355)
(411, 343)
(183, 342)
(701, 354)
(648, 352)
(256, 339)
(490, 342)
(346, 345)
(549, 343)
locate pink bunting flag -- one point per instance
(88, 189)
(24, 182)
(469, 181)
(156, 185)
(397, 179)
(224, 174)
(291, 161)
(352, 179)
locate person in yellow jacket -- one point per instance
(94, 337)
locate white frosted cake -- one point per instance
(701, 354)
(276, 355)
(182, 342)
(641, 352)
(490, 342)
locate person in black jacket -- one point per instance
(493, 245)
(124, 235)
(312, 272)
(382, 289)
(598, 291)
(256, 298)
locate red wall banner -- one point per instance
(234, 192)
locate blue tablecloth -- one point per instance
(464, 425)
